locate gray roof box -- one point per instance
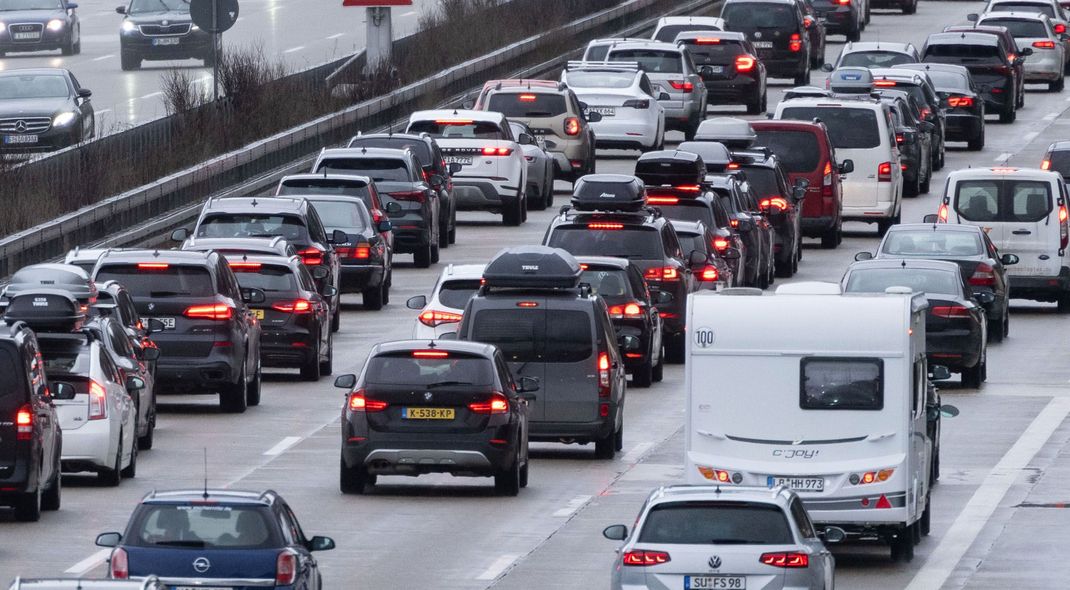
(46, 310)
(533, 267)
(66, 277)
(608, 192)
(851, 81)
(714, 154)
(734, 133)
(670, 167)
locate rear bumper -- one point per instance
(816, 226)
(1043, 66)
(357, 277)
(474, 194)
(839, 21)
(230, 583)
(739, 89)
(185, 375)
(88, 448)
(955, 349)
(417, 454)
(780, 66)
(575, 431)
(849, 513)
(287, 348)
(870, 214)
(1040, 288)
(625, 133)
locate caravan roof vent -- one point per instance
(851, 81)
(533, 267)
(46, 310)
(676, 168)
(609, 192)
(735, 134)
(66, 277)
(810, 288)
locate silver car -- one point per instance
(1047, 62)
(149, 583)
(678, 83)
(540, 166)
(731, 537)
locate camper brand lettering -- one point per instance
(795, 453)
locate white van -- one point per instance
(862, 131)
(838, 414)
(1024, 212)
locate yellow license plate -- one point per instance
(259, 313)
(429, 413)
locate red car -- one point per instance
(805, 151)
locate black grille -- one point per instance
(21, 28)
(158, 30)
(28, 125)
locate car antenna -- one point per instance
(205, 473)
(903, 263)
(254, 203)
(432, 344)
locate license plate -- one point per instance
(605, 111)
(200, 588)
(25, 36)
(258, 314)
(168, 323)
(428, 413)
(763, 44)
(20, 139)
(799, 484)
(462, 160)
(717, 69)
(166, 41)
(715, 582)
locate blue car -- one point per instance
(216, 538)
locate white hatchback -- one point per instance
(442, 312)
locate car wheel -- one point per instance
(513, 214)
(903, 545)
(923, 186)
(977, 144)
(995, 331)
(935, 477)
(925, 524)
(453, 228)
(327, 365)
(353, 480)
(129, 61)
(659, 369)
(606, 447)
(254, 388)
(754, 106)
(336, 320)
(644, 375)
(803, 78)
(374, 297)
(973, 377)
(855, 35)
(537, 199)
(1058, 85)
(52, 497)
(911, 187)
(1063, 303)
(68, 47)
(884, 225)
(830, 239)
(507, 483)
(1010, 112)
(111, 477)
(145, 442)
(618, 439)
(524, 474)
(130, 471)
(436, 254)
(310, 371)
(28, 507)
(233, 398)
(422, 257)
(674, 349)
(444, 235)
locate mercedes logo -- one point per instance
(427, 396)
(201, 564)
(715, 562)
(20, 126)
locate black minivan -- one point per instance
(778, 32)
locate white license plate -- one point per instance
(166, 41)
(799, 484)
(168, 323)
(199, 588)
(763, 44)
(20, 139)
(605, 111)
(715, 582)
(462, 160)
(25, 36)
(717, 69)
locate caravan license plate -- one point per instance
(799, 484)
(462, 160)
(715, 582)
(763, 44)
(168, 323)
(428, 413)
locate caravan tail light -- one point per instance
(786, 560)
(868, 477)
(661, 273)
(1064, 234)
(719, 475)
(884, 172)
(98, 401)
(24, 423)
(434, 318)
(644, 557)
(603, 375)
(942, 214)
(359, 402)
(983, 276)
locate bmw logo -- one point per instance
(201, 564)
(714, 562)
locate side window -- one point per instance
(129, 312)
(644, 85)
(228, 284)
(315, 228)
(504, 373)
(720, 216)
(286, 527)
(119, 341)
(802, 519)
(921, 385)
(109, 367)
(31, 357)
(672, 246)
(292, 524)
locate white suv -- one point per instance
(443, 311)
(493, 174)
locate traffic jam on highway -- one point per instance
(810, 414)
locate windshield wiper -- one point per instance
(182, 543)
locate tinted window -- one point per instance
(691, 242)
(798, 151)
(323, 187)
(64, 357)
(379, 169)
(1018, 27)
(763, 182)
(755, 15)
(234, 527)
(651, 61)
(148, 6)
(920, 280)
(609, 283)
(965, 55)
(173, 281)
(693, 212)
(926, 243)
(420, 149)
(252, 225)
(1060, 162)
(848, 128)
(268, 278)
(344, 215)
(948, 81)
(12, 385)
(620, 243)
(463, 130)
(1003, 200)
(713, 53)
(525, 105)
(1027, 7)
(536, 335)
(668, 33)
(29, 86)
(709, 523)
(598, 53)
(403, 369)
(599, 79)
(456, 294)
(841, 384)
(875, 59)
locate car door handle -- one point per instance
(1021, 232)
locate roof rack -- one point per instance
(603, 66)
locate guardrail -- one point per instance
(140, 216)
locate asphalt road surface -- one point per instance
(998, 519)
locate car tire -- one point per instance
(884, 225)
(327, 365)
(111, 477)
(374, 297)
(507, 482)
(1009, 113)
(910, 8)
(1058, 85)
(674, 349)
(644, 375)
(336, 319)
(995, 331)
(903, 545)
(53, 496)
(606, 447)
(923, 186)
(310, 371)
(659, 369)
(830, 239)
(912, 187)
(803, 79)
(977, 144)
(1063, 303)
(254, 388)
(754, 106)
(935, 475)
(854, 36)
(618, 439)
(353, 480)
(453, 228)
(513, 213)
(130, 471)
(233, 398)
(28, 507)
(422, 257)
(444, 235)
(145, 442)
(129, 61)
(69, 48)
(973, 377)
(436, 253)
(524, 474)
(926, 523)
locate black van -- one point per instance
(533, 307)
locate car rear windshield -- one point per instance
(713, 53)
(763, 182)
(379, 169)
(964, 54)
(1060, 162)
(668, 33)
(798, 151)
(455, 294)
(527, 104)
(692, 242)
(928, 243)
(949, 81)
(65, 357)
(841, 384)
(1027, 7)
(405, 369)
(203, 526)
(268, 278)
(536, 335)
(31, 86)
(634, 242)
(651, 61)
(716, 523)
(1022, 201)
(1019, 27)
(170, 281)
(458, 129)
(609, 283)
(324, 187)
(758, 15)
(875, 59)
(599, 79)
(347, 216)
(253, 225)
(420, 149)
(688, 211)
(849, 128)
(919, 280)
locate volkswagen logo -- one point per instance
(715, 562)
(20, 126)
(757, 34)
(427, 396)
(201, 564)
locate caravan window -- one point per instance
(841, 384)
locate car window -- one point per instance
(949, 81)
(1027, 7)
(763, 182)
(609, 283)
(668, 33)
(709, 53)
(456, 293)
(692, 242)
(527, 104)
(1003, 200)
(16, 86)
(802, 519)
(150, 6)
(875, 59)
(156, 281)
(253, 225)
(598, 53)
(919, 280)
(599, 79)
(1060, 162)
(406, 368)
(848, 128)
(268, 278)
(459, 129)
(421, 149)
(841, 384)
(652, 61)
(12, 384)
(672, 245)
(379, 169)
(347, 216)
(755, 15)
(798, 151)
(712, 523)
(965, 55)
(323, 187)
(119, 341)
(231, 527)
(622, 242)
(687, 210)
(535, 335)
(927, 243)
(1017, 27)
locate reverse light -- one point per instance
(119, 565)
(603, 375)
(434, 318)
(285, 568)
(311, 256)
(795, 43)
(884, 172)
(1045, 164)
(605, 226)
(497, 404)
(359, 402)
(786, 560)
(63, 119)
(661, 273)
(24, 423)
(572, 126)
(497, 151)
(745, 63)
(960, 102)
(98, 401)
(709, 274)
(297, 306)
(216, 311)
(983, 276)
(55, 25)
(683, 85)
(642, 558)
(1044, 44)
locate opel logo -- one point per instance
(715, 562)
(427, 396)
(20, 126)
(201, 564)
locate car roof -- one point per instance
(1059, 145)
(916, 263)
(690, 227)
(354, 178)
(779, 495)
(1012, 15)
(962, 38)
(1006, 171)
(723, 35)
(210, 495)
(447, 114)
(282, 204)
(690, 20)
(469, 347)
(463, 271)
(959, 227)
(792, 2)
(906, 48)
(619, 263)
(648, 44)
(191, 257)
(364, 152)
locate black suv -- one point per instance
(292, 218)
(367, 259)
(842, 17)
(729, 66)
(161, 30)
(777, 29)
(30, 438)
(990, 62)
(1057, 159)
(914, 141)
(610, 218)
(754, 235)
(918, 84)
(779, 202)
(435, 407)
(211, 339)
(435, 171)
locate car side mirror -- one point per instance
(630, 343)
(180, 234)
(525, 139)
(1009, 259)
(834, 534)
(338, 237)
(62, 390)
(973, 17)
(319, 543)
(664, 95)
(320, 272)
(455, 167)
(417, 302)
(592, 116)
(859, 257)
(329, 291)
(731, 254)
(662, 297)
(1025, 52)
(394, 208)
(150, 353)
(847, 166)
(696, 258)
(84, 93)
(156, 326)
(948, 411)
(120, 9)
(984, 297)
(939, 373)
(615, 532)
(827, 68)
(347, 381)
(253, 295)
(384, 226)
(528, 385)
(109, 539)
(135, 384)
(931, 218)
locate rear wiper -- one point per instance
(731, 541)
(448, 383)
(181, 543)
(167, 293)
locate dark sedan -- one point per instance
(42, 110)
(39, 25)
(161, 30)
(955, 325)
(968, 246)
(366, 257)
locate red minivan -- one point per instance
(806, 151)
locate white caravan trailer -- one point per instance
(820, 391)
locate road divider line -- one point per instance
(283, 445)
(637, 452)
(293, 49)
(103, 57)
(89, 563)
(1029, 137)
(1050, 116)
(572, 506)
(336, 35)
(498, 567)
(1004, 156)
(978, 511)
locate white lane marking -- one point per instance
(336, 35)
(1004, 156)
(293, 49)
(1028, 137)
(572, 506)
(153, 95)
(1050, 116)
(89, 563)
(1067, 99)
(941, 563)
(284, 444)
(500, 565)
(408, 14)
(637, 452)
(103, 57)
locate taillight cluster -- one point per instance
(297, 306)
(1044, 44)
(778, 203)
(119, 565)
(661, 273)
(941, 215)
(795, 43)
(497, 404)
(956, 102)
(497, 151)
(1064, 234)
(786, 560)
(983, 276)
(358, 252)
(24, 423)
(214, 311)
(720, 475)
(745, 63)
(311, 256)
(643, 557)
(412, 196)
(721, 244)
(572, 126)
(603, 375)
(709, 274)
(682, 85)
(359, 402)
(950, 311)
(98, 401)
(884, 172)
(637, 103)
(625, 310)
(868, 477)
(434, 318)
(285, 568)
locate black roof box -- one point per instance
(533, 267)
(66, 277)
(46, 310)
(608, 192)
(670, 168)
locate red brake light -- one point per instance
(663, 200)
(720, 244)
(688, 188)
(24, 423)
(572, 126)
(244, 266)
(1064, 230)
(682, 85)
(983, 276)
(884, 172)
(942, 214)
(527, 98)
(152, 266)
(415, 196)
(98, 401)
(360, 251)
(527, 304)
(745, 63)
(786, 560)
(664, 273)
(430, 354)
(497, 151)
(120, 565)
(311, 256)
(844, 2)
(298, 306)
(434, 318)
(217, 311)
(884, 83)
(358, 402)
(795, 44)
(900, 138)
(285, 569)
(1045, 44)
(497, 404)
(640, 557)
(603, 375)
(605, 226)
(454, 122)
(774, 203)
(948, 312)
(733, 166)
(960, 101)
(625, 310)
(707, 41)
(709, 274)
(1060, 28)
